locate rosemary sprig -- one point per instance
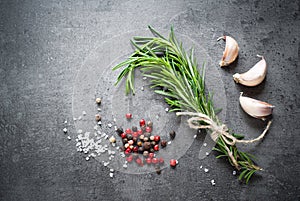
(174, 74)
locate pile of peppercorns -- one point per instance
(140, 141)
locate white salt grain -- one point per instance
(79, 118)
(111, 170)
(109, 125)
(167, 109)
(65, 130)
(233, 172)
(83, 113)
(87, 158)
(111, 174)
(206, 153)
(169, 142)
(195, 136)
(206, 170)
(79, 131)
(125, 166)
(205, 144)
(213, 182)
(201, 167)
(69, 138)
(66, 122)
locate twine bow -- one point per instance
(219, 131)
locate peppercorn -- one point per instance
(141, 150)
(134, 128)
(157, 170)
(142, 137)
(155, 160)
(126, 145)
(145, 154)
(139, 161)
(128, 116)
(135, 134)
(172, 134)
(148, 129)
(134, 139)
(98, 101)
(156, 147)
(140, 132)
(156, 138)
(151, 150)
(151, 155)
(161, 160)
(173, 163)
(152, 138)
(129, 137)
(130, 142)
(97, 117)
(163, 143)
(150, 124)
(146, 139)
(148, 160)
(128, 131)
(139, 143)
(153, 143)
(123, 135)
(147, 145)
(143, 128)
(147, 134)
(119, 131)
(142, 122)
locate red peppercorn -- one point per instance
(123, 135)
(151, 155)
(128, 116)
(173, 163)
(135, 134)
(135, 149)
(142, 122)
(148, 160)
(127, 150)
(128, 131)
(140, 132)
(156, 147)
(161, 160)
(156, 138)
(129, 158)
(155, 160)
(139, 161)
(148, 129)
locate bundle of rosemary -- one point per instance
(174, 74)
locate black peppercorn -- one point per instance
(172, 134)
(129, 137)
(119, 131)
(157, 169)
(147, 134)
(125, 140)
(134, 128)
(141, 150)
(163, 143)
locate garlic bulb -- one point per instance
(255, 108)
(231, 51)
(254, 76)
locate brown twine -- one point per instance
(219, 131)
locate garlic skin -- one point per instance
(254, 76)
(231, 51)
(256, 108)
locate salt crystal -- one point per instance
(195, 136)
(78, 144)
(206, 170)
(69, 138)
(105, 164)
(83, 113)
(111, 174)
(99, 123)
(79, 118)
(99, 109)
(212, 182)
(66, 122)
(169, 142)
(93, 155)
(201, 167)
(233, 172)
(111, 170)
(74, 119)
(144, 78)
(115, 120)
(167, 109)
(109, 125)
(142, 88)
(79, 131)
(205, 144)
(65, 130)
(125, 166)
(87, 158)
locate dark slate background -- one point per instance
(43, 45)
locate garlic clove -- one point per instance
(255, 108)
(231, 51)
(253, 76)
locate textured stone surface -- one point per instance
(42, 47)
